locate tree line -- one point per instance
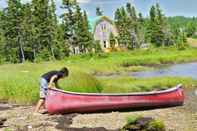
(33, 32)
(157, 29)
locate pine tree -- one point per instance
(53, 27)
(191, 28)
(13, 48)
(27, 32)
(43, 20)
(128, 26)
(2, 38)
(157, 28)
(69, 23)
(88, 35)
(99, 12)
(84, 37)
(140, 18)
(141, 30)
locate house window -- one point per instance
(104, 44)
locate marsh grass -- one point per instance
(136, 60)
(19, 83)
(128, 84)
(81, 82)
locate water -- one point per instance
(178, 70)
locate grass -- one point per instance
(81, 82)
(19, 83)
(131, 61)
(143, 124)
(128, 84)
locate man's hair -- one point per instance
(65, 71)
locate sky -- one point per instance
(170, 7)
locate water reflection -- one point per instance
(179, 70)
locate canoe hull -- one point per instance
(58, 101)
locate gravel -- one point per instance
(20, 118)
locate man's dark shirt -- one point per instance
(47, 76)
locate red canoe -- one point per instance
(59, 101)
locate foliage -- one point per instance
(139, 123)
(157, 29)
(128, 26)
(156, 125)
(132, 119)
(99, 12)
(38, 34)
(76, 28)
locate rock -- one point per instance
(144, 121)
(2, 121)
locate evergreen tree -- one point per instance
(191, 29)
(99, 12)
(44, 21)
(156, 27)
(88, 36)
(53, 28)
(69, 23)
(127, 24)
(84, 37)
(2, 38)
(13, 48)
(140, 18)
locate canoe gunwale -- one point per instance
(173, 89)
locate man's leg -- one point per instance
(39, 105)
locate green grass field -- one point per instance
(131, 61)
(19, 83)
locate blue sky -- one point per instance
(169, 7)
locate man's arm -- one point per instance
(52, 80)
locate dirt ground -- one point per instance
(20, 118)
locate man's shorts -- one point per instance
(43, 88)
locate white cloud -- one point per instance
(83, 1)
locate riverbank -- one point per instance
(21, 118)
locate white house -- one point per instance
(103, 27)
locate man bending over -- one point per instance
(47, 81)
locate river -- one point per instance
(178, 70)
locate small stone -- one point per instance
(2, 121)
(29, 127)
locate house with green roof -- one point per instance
(102, 27)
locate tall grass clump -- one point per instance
(78, 81)
(139, 123)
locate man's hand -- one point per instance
(50, 86)
(51, 82)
